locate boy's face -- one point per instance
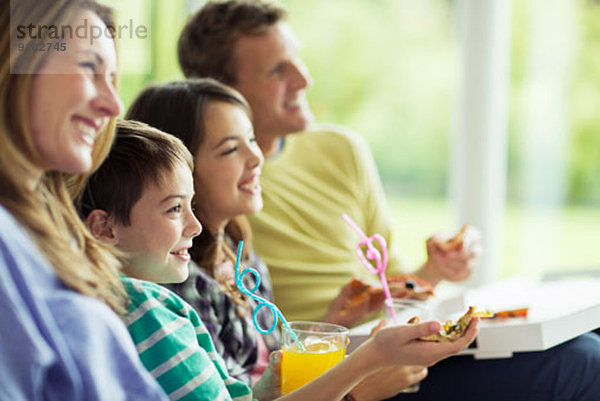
(162, 228)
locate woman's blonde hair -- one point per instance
(47, 212)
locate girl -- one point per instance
(60, 340)
(226, 179)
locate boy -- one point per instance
(139, 200)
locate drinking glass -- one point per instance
(324, 346)
(405, 309)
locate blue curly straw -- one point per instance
(261, 302)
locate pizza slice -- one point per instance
(453, 330)
(401, 286)
(414, 287)
(511, 313)
(360, 292)
(456, 242)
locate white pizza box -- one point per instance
(558, 312)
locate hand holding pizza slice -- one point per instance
(456, 242)
(452, 331)
(452, 259)
(358, 300)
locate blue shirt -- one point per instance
(56, 344)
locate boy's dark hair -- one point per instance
(139, 154)
(205, 47)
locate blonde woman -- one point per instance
(60, 340)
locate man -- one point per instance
(310, 179)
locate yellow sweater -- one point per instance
(300, 234)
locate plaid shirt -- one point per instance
(234, 336)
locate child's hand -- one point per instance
(387, 382)
(401, 345)
(269, 386)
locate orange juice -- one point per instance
(300, 367)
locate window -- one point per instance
(389, 70)
(410, 76)
(553, 213)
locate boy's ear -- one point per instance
(99, 223)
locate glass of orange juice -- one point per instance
(323, 346)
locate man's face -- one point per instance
(273, 79)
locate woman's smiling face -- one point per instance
(72, 99)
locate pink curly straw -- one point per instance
(380, 259)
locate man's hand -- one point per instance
(387, 382)
(355, 302)
(451, 259)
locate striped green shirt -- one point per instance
(175, 346)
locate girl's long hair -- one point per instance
(47, 212)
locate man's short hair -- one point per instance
(140, 155)
(205, 47)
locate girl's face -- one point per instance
(227, 166)
(162, 226)
(72, 99)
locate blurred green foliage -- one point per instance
(584, 165)
(153, 58)
(583, 102)
(389, 70)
